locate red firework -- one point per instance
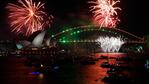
(105, 13)
(27, 17)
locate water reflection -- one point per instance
(14, 70)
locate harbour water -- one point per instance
(14, 71)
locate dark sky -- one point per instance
(134, 15)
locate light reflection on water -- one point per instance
(18, 73)
(111, 54)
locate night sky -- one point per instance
(134, 15)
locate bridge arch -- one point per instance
(85, 36)
(108, 31)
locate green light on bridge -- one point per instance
(64, 41)
(74, 32)
(52, 36)
(78, 31)
(75, 41)
(67, 30)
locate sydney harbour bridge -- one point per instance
(92, 37)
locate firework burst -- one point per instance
(27, 17)
(104, 12)
(110, 44)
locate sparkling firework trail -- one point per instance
(105, 13)
(110, 44)
(27, 17)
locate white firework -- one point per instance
(110, 44)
